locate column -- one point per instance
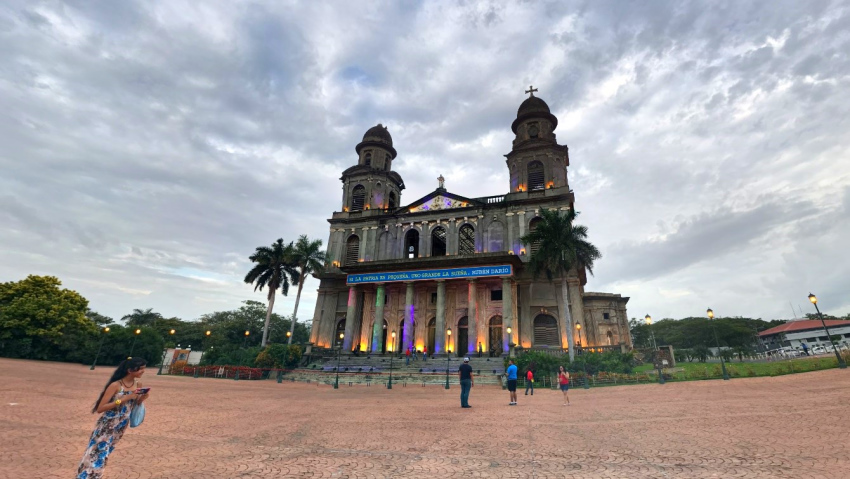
(472, 314)
(378, 326)
(577, 303)
(507, 314)
(407, 340)
(350, 318)
(440, 329)
(317, 317)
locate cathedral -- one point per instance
(447, 273)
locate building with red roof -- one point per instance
(808, 331)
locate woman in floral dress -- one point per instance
(115, 403)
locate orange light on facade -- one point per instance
(550, 185)
(522, 251)
(367, 206)
(345, 209)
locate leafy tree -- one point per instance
(701, 353)
(36, 312)
(273, 269)
(308, 258)
(141, 317)
(562, 247)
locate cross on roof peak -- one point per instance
(531, 90)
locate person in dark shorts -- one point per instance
(512, 370)
(564, 383)
(464, 372)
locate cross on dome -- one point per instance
(531, 90)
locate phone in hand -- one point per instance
(142, 390)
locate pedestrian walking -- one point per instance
(529, 382)
(806, 349)
(564, 382)
(115, 403)
(512, 370)
(407, 357)
(464, 372)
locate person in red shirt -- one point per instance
(564, 382)
(407, 359)
(529, 381)
(424, 352)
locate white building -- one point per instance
(809, 331)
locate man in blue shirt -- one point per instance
(512, 381)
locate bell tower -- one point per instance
(371, 184)
(537, 162)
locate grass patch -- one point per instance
(697, 370)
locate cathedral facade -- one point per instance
(447, 273)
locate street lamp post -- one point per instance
(511, 344)
(655, 356)
(338, 352)
(841, 363)
(102, 337)
(449, 356)
(135, 336)
(578, 326)
(710, 314)
(584, 357)
(392, 347)
(164, 352)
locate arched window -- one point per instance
(536, 179)
(411, 244)
(352, 250)
(466, 240)
(358, 198)
(393, 201)
(438, 241)
(545, 331)
(531, 227)
(367, 160)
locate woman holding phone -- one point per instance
(121, 393)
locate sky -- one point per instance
(147, 148)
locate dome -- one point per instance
(532, 104)
(533, 107)
(380, 133)
(378, 136)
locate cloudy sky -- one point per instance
(146, 148)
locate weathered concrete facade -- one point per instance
(372, 234)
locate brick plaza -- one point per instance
(790, 426)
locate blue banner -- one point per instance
(431, 274)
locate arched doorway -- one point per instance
(462, 340)
(432, 332)
(411, 244)
(384, 336)
(546, 331)
(340, 328)
(610, 337)
(495, 337)
(438, 241)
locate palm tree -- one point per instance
(308, 258)
(273, 270)
(561, 246)
(141, 317)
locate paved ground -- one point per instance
(790, 426)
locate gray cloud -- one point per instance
(149, 147)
